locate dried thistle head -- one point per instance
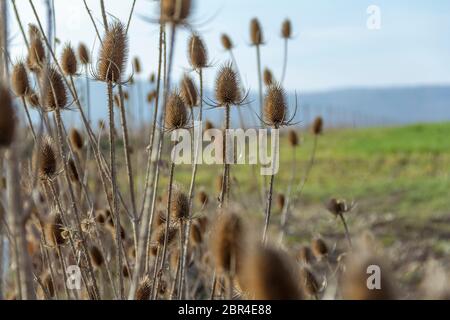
(55, 95)
(46, 159)
(256, 34)
(113, 54)
(96, 256)
(176, 115)
(198, 56)
(293, 138)
(286, 29)
(319, 248)
(161, 234)
(317, 127)
(73, 172)
(69, 63)
(7, 119)
(228, 242)
(144, 289)
(36, 55)
(268, 77)
(83, 54)
(179, 205)
(33, 99)
(54, 231)
(137, 65)
(76, 139)
(19, 80)
(189, 92)
(271, 275)
(275, 108)
(175, 11)
(227, 86)
(308, 282)
(336, 207)
(226, 42)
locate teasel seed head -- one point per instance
(137, 65)
(271, 275)
(281, 201)
(293, 138)
(208, 125)
(144, 289)
(198, 56)
(69, 63)
(83, 54)
(73, 173)
(113, 54)
(47, 161)
(227, 86)
(55, 95)
(179, 206)
(161, 234)
(189, 92)
(176, 115)
(33, 32)
(305, 255)
(7, 118)
(336, 207)
(268, 77)
(309, 282)
(203, 198)
(256, 35)
(36, 56)
(196, 234)
(76, 139)
(53, 231)
(227, 242)
(319, 248)
(286, 29)
(226, 42)
(275, 109)
(19, 80)
(96, 256)
(317, 127)
(175, 11)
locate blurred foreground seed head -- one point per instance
(7, 118)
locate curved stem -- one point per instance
(347, 233)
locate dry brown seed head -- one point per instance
(275, 109)
(144, 289)
(161, 234)
(189, 92)
(309, 282)
(53, 231)
(226, 42)
(176, 115)
(202, 198)
(47, 159)
(305, 255)
(268, 77)
(69, 63)
(319, 248)
(73, 173)
(179, 206)
(286, 29)
(336, 207)
(175, 11)
(19, 80)
(281, 201)
(36, 56)
(96, 256)
(76, 139)
(208, 125)
(196, 234)
(198, 56)
(293, 138)
(256, 35)
(227, 86)
(7, 118)
(83, 54)
(317, 127)
(55, 91)
(137, 65)
(113, 54)
(33, 32)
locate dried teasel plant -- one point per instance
(226, 42)
(76, 139)
(189, 92)
(338, 208)
(83, 54)
(7, 120)
(176, 115)
(55, 95)
(176, 11)
(69, 63)
(47, 159)
(268, 77)
(319, 248)
(197, 54)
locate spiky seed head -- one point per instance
(96, 256)
(202, 198)
(19, 80)
(256, 34)
(7, 118)
(36, 56)
(275, 109)
(176, 115)
(293, 138)
(69, 63)
(144, 289)
(226, 42)
(175, 11)
(305, 255)
(33, 32)
(286, 29)
(161, 234)
(268, 77)
(336, 207)
(227, 86)
(198, 56)
(83, 54)
(55, 95)
(317, 127)
(281, 201)
(179, 206)
(319, 248)
(196, 234)
(269, 274)
(73, 173)
(53, 231)
(76, 139)
(137, 65)
(113, 54)
(151, 96)
(308, 282)
(33, 99)
(227, 242)
(189, 92)
(47, 162)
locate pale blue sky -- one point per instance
(332, 47)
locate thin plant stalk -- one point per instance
(285, 60)
(30, 123)
(285, 212)
(225, 176)
(347, 233)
